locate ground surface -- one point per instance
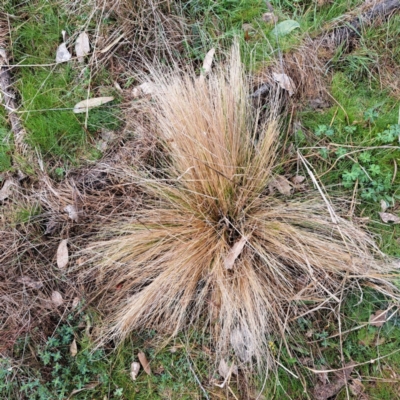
(344, 118)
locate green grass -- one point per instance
(48, 93)
(5, 143)
(367, 118)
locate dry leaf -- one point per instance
(62, 54)
(208, 59)
(281, 184)
(87, 104)
(75, 302)
(82, 46)
(62, 254)
(51, 226)
(384, 205)
(144, 362)
(6, 189)
(146, 88)
(379, 318)
(270, 18)
(26, 280)
(72, 212)
(225, 371)
(296, 180)
(356, 387)
(386, 217)
(57, 299)
(89, 386)
(135, 367)
(234, 252)
(285, 82)
(324, 391)
(73, 349)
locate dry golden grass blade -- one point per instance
(207, 189)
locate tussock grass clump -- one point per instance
(211, 245)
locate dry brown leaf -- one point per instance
(281, 184)
(135, 367)
(62, 254)
(324, 391)
(89, 386)
(146, 88)
(51, 226)
(144, 362)
(26, 280)
(87, 104)
(6, 189)
(57, 299)
(379, 318)
(73, 348)
(225, 370)
(356, 387)
(386, 217)
(62, 53)
(296, 180)
(75, 302)
(234, 252)
(72, 212)
(285, 82)
(269, 18)
(384, 205)
(82, 46)
(208, 59)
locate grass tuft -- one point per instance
(168, 265)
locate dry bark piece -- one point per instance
(379, 318)
(387, 217)
(57, 299)
(135, 367)
(26, 280)
(62, 254)
(73, 348)
(144, 362)
(234, 252)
